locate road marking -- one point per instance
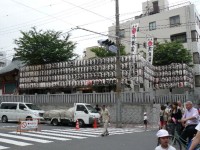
(14, 142)
(92, 132)
(9, 126)
(25, 138)
(70, 133)
(42, 136)
(3, 147)
(60, 135)
(86, 132)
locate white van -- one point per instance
(14, 111)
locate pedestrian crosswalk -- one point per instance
(11, 139)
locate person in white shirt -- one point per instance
(163, 138)
(145, 121)
(105, 114)
(189, 120)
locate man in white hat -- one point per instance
(163, 138)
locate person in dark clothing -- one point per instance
(176, 114)
(97, 108)
(175, 119)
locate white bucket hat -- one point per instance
(162, 133)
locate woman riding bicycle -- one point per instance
(175, 119)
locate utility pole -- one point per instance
(118, 69)
(118, 65)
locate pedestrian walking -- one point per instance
(162, 122)
(145, 121)
(105, 114)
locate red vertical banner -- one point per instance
(150, 46)
(134, 30)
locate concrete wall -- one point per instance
(131, 113)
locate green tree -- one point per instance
(41, 47)
(102, 52)
(171, 52)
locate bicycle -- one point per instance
(176, 141)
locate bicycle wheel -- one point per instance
(175, 143)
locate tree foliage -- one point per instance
(171, 52)
(41, 47)
(102, 52)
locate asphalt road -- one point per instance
(68, 138)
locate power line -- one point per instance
(41, 12)
(87, 10)
(38, 20)
(78, 25)
(140, 30)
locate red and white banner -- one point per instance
(134, 30)
(150, 46)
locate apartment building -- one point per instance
(161, 22)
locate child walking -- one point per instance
(145, 121)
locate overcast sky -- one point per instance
(63, 15)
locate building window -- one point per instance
(152, 26)
(197, 80)
(174, 21)
(122, 33)
(197, 20)
(194, 35)
(196, 59)
(181, 37)
(155, 41)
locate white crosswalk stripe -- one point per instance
(18, 143)
(25, 138)
(42, 136)
(59, 135)
(48, 136)
(3, 147)
(70, 133)
(95, 132)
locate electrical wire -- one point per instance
(70, 11)
(142, 37)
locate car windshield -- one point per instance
(33, 107)
(91, 109)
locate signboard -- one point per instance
(26, 125)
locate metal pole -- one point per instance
(118, 69)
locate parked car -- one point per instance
(15, 111)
